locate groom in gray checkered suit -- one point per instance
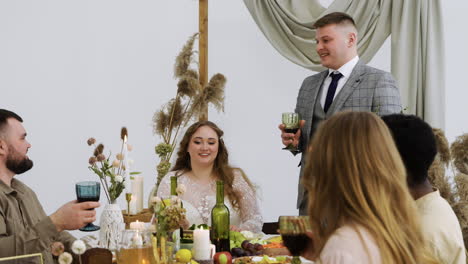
(347, 84)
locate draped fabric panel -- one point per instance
(417, 42)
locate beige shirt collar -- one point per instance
(16, 186)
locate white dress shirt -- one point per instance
(345, 70)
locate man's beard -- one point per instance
(18, 166)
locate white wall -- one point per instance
(75, 69)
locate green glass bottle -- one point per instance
(220, 221)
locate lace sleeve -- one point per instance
(164, 190)
(249, 210)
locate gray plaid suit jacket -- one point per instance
(367, 89)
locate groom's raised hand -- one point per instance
(290, 138)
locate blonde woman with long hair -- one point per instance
(359, 205)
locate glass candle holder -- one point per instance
(136, 247)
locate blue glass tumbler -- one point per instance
(88, 191)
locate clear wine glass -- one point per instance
(293, 230)
(291, 122)
(88, 191)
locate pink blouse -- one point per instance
(350, 244)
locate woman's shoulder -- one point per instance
(239, 176)
(237, 172)
(351, 242)
(241, 181)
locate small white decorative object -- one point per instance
(112, 224)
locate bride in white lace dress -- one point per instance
(203, 159)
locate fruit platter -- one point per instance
(247, 244)
(248, 248)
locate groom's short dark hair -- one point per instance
(338, 18)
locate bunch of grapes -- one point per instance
(236, 239)
(247, 249)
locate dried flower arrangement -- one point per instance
(456, 194)
(112, 175)
(190, 101)
(169, 215)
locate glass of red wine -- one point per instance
(88, 191)
(293, 231)
(291, 122)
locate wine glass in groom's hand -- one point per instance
(291, 123)
(88, 191)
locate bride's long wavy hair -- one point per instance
(354, 175)
(221, 166)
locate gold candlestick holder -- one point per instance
(128, 198)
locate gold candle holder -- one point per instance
(128, 198)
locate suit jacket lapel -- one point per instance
(315, 87)
(353, 81)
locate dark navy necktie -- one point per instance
(332, 89)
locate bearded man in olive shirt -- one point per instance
(24, 226)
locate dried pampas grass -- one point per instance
(191, 101)
(214, 91)
(160, 122)
(459, 151)
(189, 84)
(461, 210)
(184, 58)
(437, 177)
(442, 146)
(462, 185)
(456, 195)
(465, 236)
(176, 112)
(436, 173)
